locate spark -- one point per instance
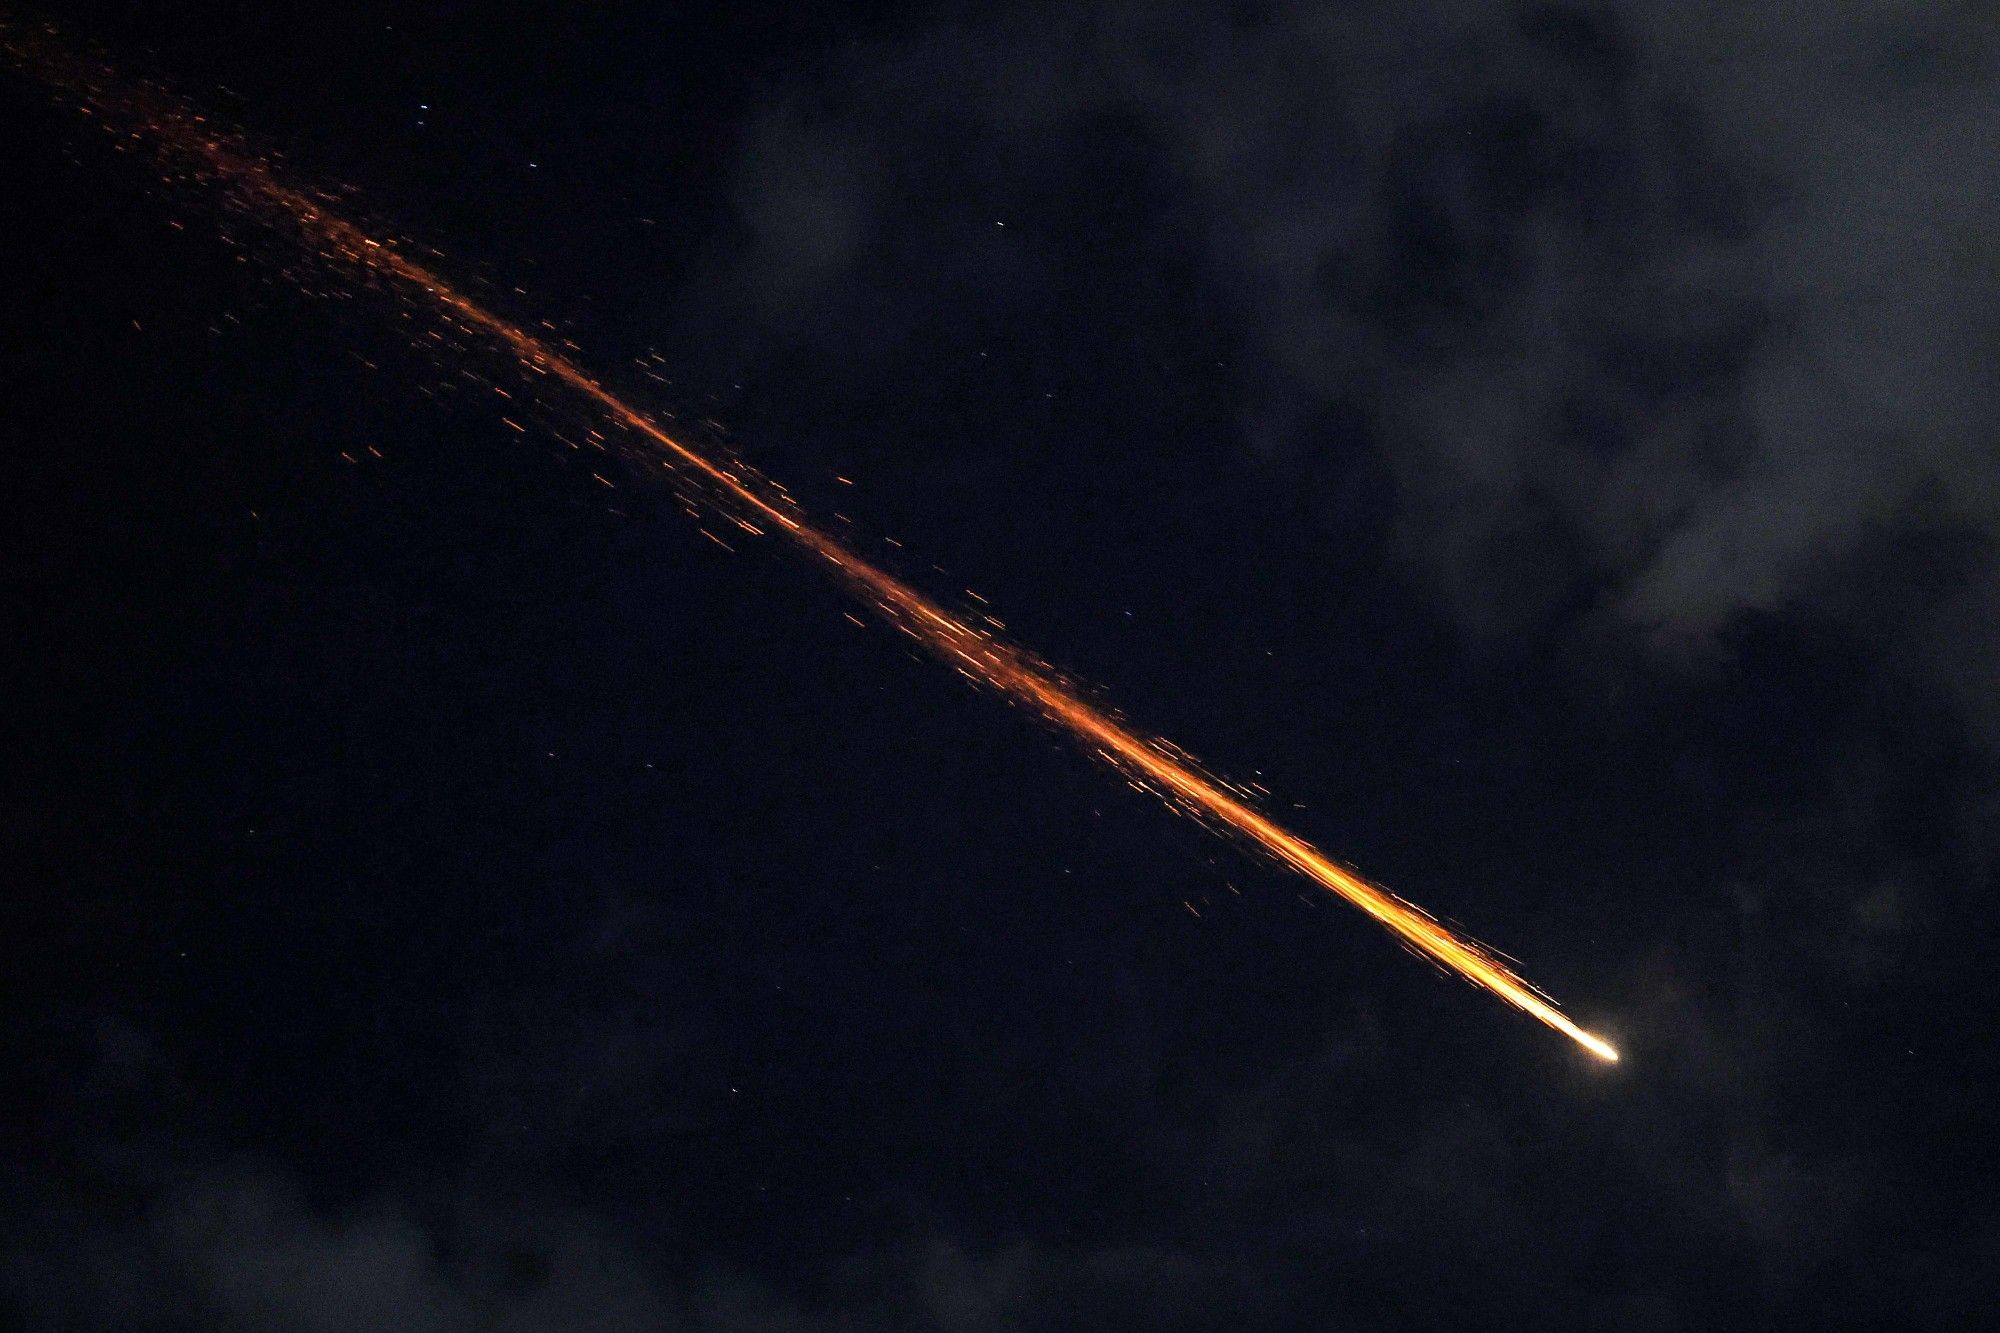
(970, 644)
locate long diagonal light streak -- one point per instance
(757, 504)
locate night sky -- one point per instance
(1551, 447)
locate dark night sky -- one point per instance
(1551, 447)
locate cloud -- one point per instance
(1655, 318)
(237, 1245)
(135, 1217)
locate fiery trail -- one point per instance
(757, 504)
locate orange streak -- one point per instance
(741, 493)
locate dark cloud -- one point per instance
(1651, 317)
(238, 1246)
(142, 1219)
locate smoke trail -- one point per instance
(185, 140)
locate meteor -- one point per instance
(186, 142)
